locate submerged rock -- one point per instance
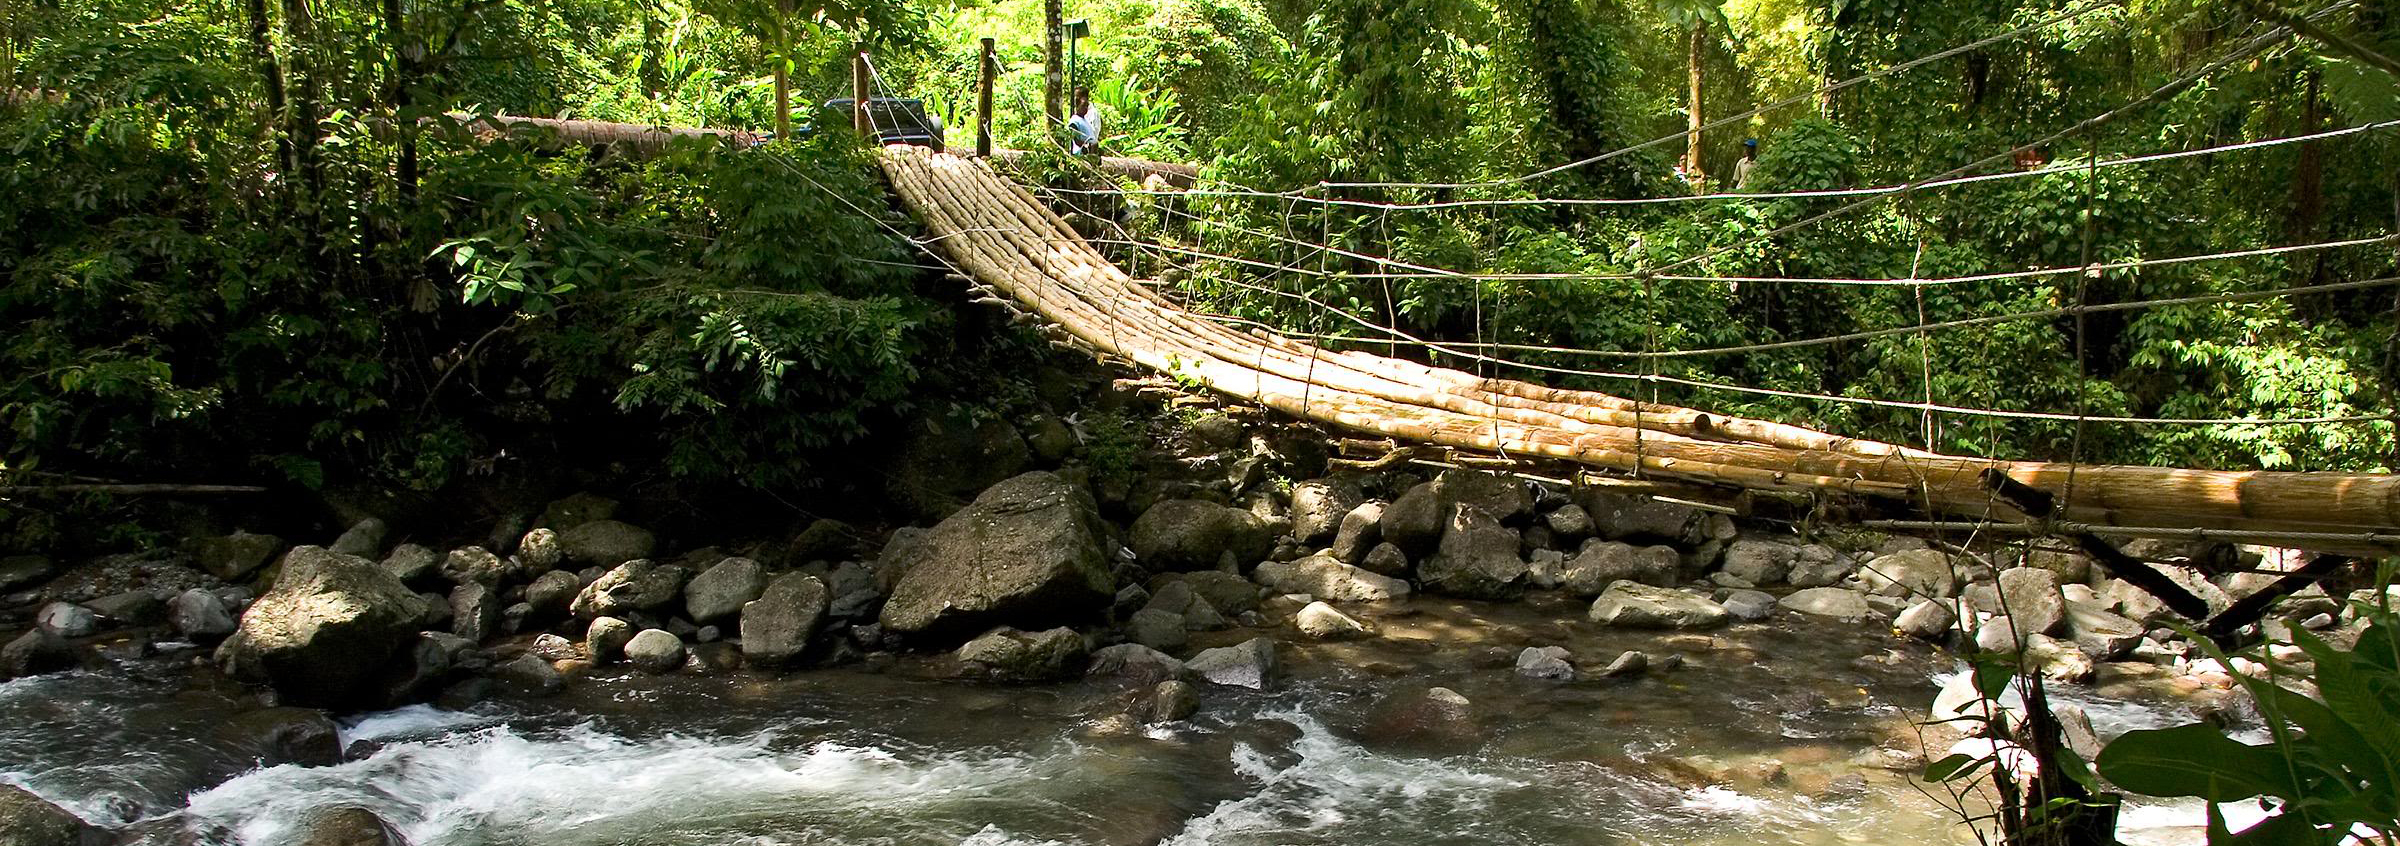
(1027, 550)
(1545, 662)
(29, 820)
(327, 631)
(1635, 605)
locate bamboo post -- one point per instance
(983, 102)
(859, 90)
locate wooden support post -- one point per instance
(859, 91)
(2038, 504)
(983, 102)
(2250, 608)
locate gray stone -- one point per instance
(36, 652)
(1748, 604)
(1250, 664)
(2029, 595)
(605, 639)
(637, 585)
(529, 675)
(1601, 563)
(1135, 661)
(2000, 634)
(200, 616)
(1476, 557)
(20, 571)
(1323, 577)
(1190, 534)
(539, 551)
(412, 564)
(1386, 560)
(1839, 603)
(1228, 593)
(1158, 629)
(364, 539)
(1418, 519)
(2069, 567)
(719, 592)
(1545, 662)
(68, 620)
(1028, 549)
(823, 539)
(556, 648)
(1171, 700)
(131, 608)
(1360, 531)
(655, 651)
(29, 820)
(1929, 619)
(2058, 659)
(1569, 523)
(1049, 437)
(776, 626)
(1760, 562)
(231, 557)
(2100, 632)
(1318, 508)
(606, 543)
(1545, 569)
(1922, 573)
(1630, 663)
(1322, 622)
(324, 634)
(552, 594)
(1007, 654)
(1817, 565)
(1212, 430)
(475, 611)
(1634, 605)
(1620, 517)
(577, 510)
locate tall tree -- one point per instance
(1694, 18)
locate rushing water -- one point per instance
(1769, 735)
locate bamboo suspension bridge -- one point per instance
(1012, 247)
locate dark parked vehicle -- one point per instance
(896, 120)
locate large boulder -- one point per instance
(364, 539)
(538, 551)
(1417, 520)
(1322, 577)
(2030, 596)
(412, 564)
(1007, 654)
(1760, 562)
(1250, 664)
(1640, 518)
(200, 616)
(637, 585)
(1920, 573)
(1476, 558)
(231, 557)
(1191, 534)
(29, 820)
(1319, 507)
(1359, 532)
(719, 592)
(327, 631)
(1027, 550)
(606, 543)
(1601, 563)
(777, 625)
(605, 639)
(36, 652)
(132, 608)
(1931, 619)
(1639, 606)
(552, 594)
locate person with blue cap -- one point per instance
(1741, 169)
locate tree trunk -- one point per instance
(404, 62)
(783, 75)
(270, 73)
(2308, 176)
(1053, 66)
(1691, 156)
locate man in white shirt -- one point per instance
(1084, 124)
(1741, 169)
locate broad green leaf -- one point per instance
(2195, 760)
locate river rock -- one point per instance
(655, 651)
(1318, 508)
(1621, 517)
(29, 820)
(413, 564)
(1171, 700)
(1007, 654)
(2102, 633)
(2029, 595)
(637, 585)
(720, 591)
(1922, 573)
(1818, 565)
(606, 543)
(475, 611)
(68, 620)
(2058, 660)
(1435, 719)
(1746, 604)
(1760, 562)
(1545, 662)
(2069, 566)
(1928, 619)
(1569, 523)
(1359, 532)
(1545, 569)
(1628, 663)
(131, 608)
(1191, 534)
(284, 735)
(36, 652)
(1250, 664)
(1228, 593)
(1321, 621)
(2000, 634)
(473, 565)
(1639, 606)
(777, 626)
(364, 539)
(1386, 560)
(1476, 558)
(1323, 577)
(348, 826)
(1601, 563)
(529, 675)
(1135, 661)
(327, 629)
(200, 616)
(552, 594)
(231, 557)
(21, 571)
(539, 551)
(576, 510)
(1418, 519)
(1159, 629)
(605, 639)
(1839, 603)
(1027, 549)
